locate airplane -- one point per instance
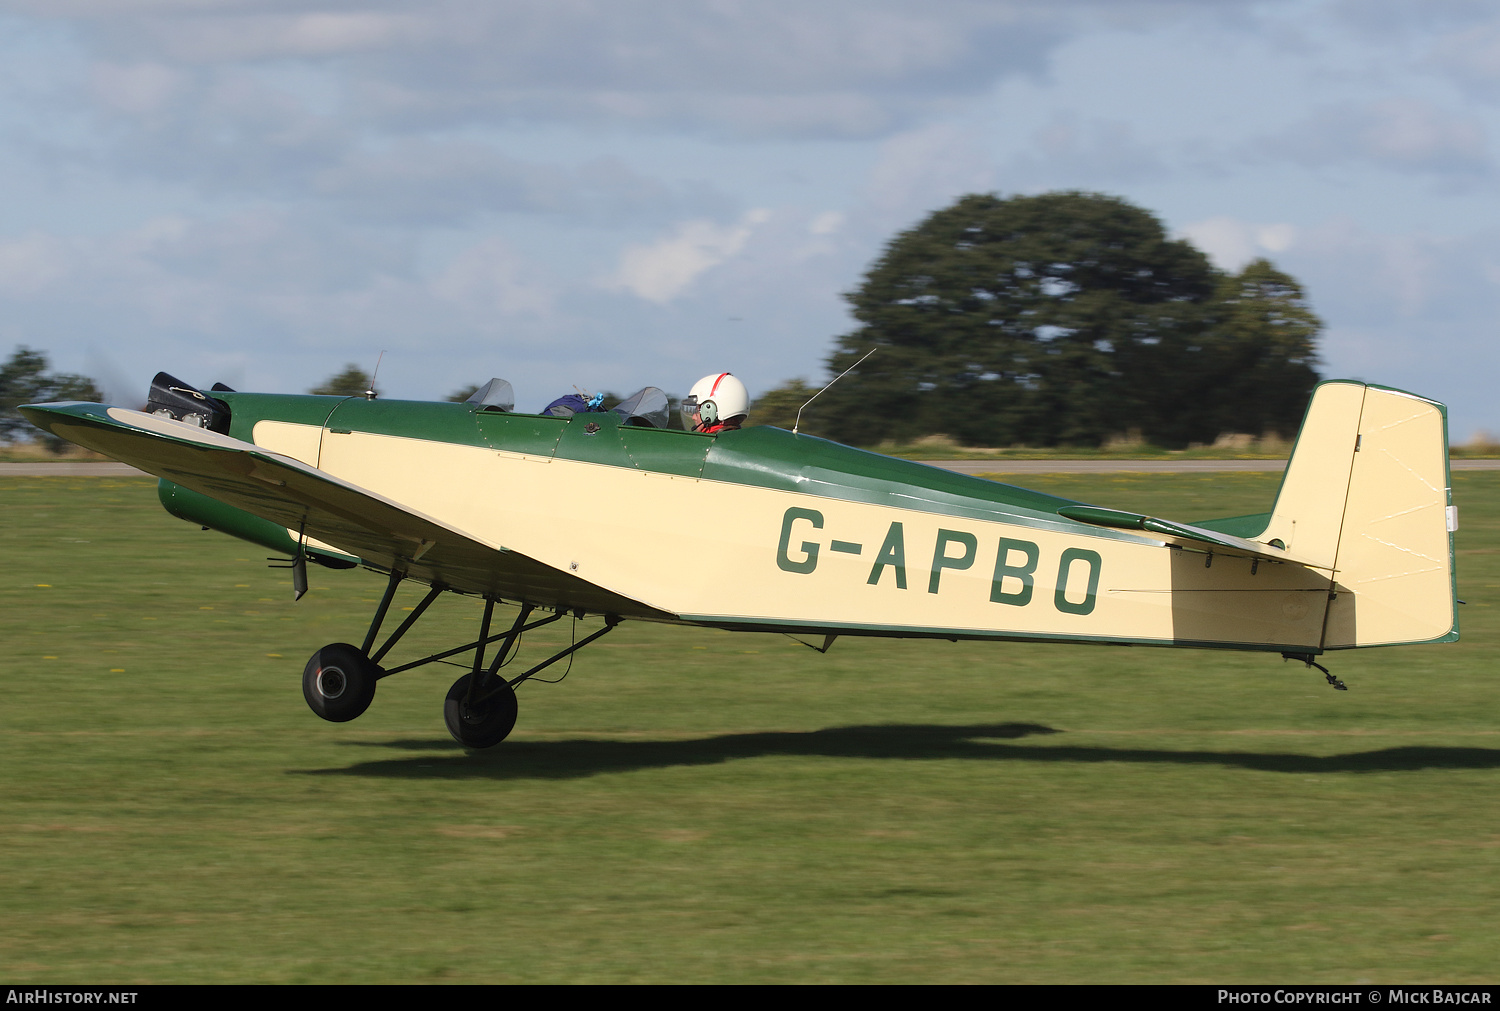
(612, 513)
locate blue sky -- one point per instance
(614, 193)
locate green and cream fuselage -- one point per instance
(761, 529)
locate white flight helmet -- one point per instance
(713, 400)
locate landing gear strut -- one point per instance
(480, 710)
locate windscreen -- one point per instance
(647, 407)
(495, 393)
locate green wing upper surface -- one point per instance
(380, 532)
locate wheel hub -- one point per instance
(331, 682)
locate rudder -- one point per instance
(1393, 573)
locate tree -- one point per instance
(352, 382)
(1054, 319)
(779, 407)
(24, 379)
(1268, 344)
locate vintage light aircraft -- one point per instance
(612, 513)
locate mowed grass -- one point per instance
(698, 806)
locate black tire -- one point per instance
(339, 682)
(486, 724)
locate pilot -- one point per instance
(716, 403)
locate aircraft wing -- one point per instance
(369, 526)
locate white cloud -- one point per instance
(1415, 311)
(1071, 151)
(325, 33)
(237, 32)
(826, 223)
(662, 270)
(1415, 133)
(920, 170)
(136, 88)
(31, 264)
(1400, 134)
(1231, 243)
(279, 186)
(1400, 278)
(785, 67)
(489, 282)
(1471, 55)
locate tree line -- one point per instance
(1061, 319)
(26, 378)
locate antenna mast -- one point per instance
(370, 393)
(835, 379)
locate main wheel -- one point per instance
(339, 682)
(484, 724)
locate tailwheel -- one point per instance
(339, 682)
(483, 719)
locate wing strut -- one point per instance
(385, 605)
(411, 619)
(610, 621)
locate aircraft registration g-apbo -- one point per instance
(612, 513)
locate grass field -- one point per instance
(697, 806)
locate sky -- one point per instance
(609, 194)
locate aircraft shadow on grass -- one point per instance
(576, 758)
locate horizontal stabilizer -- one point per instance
(1184, 534)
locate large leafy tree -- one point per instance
(1055, 319)
(1266, 339)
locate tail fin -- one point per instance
(1309, 511)
(1366, 494)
